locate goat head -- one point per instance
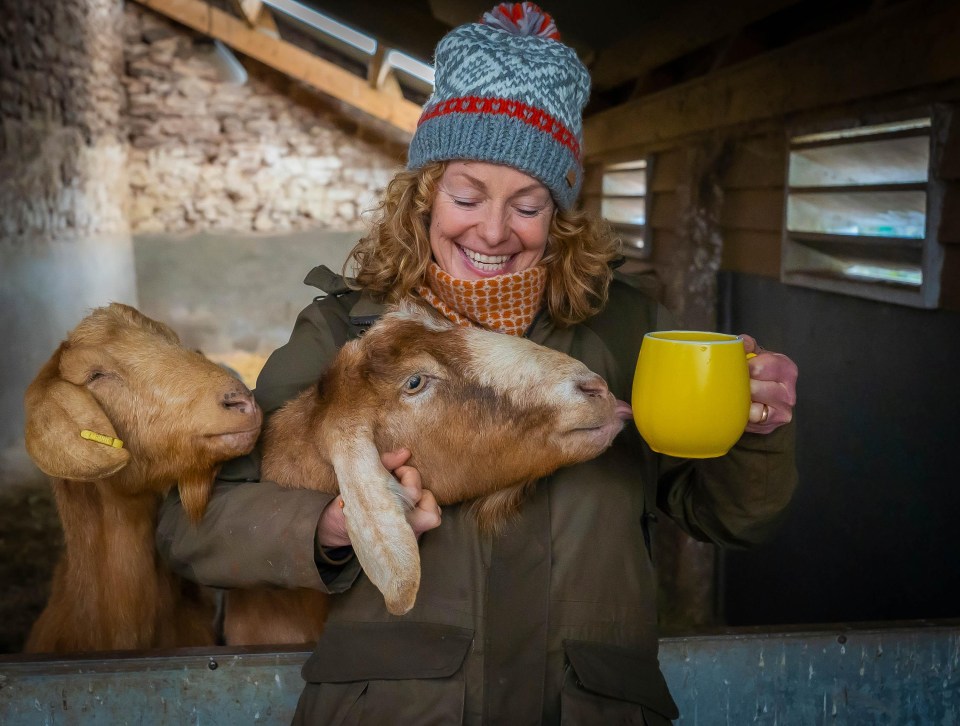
(483, 413)
(122, 392)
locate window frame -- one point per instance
(624, 230)
(807, 258)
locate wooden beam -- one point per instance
(287, 58)
(258, 16)
(409, 26)
(250, 9)
(265, 22)
(680, 28)
(375, 65)
(908, 46)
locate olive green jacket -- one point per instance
(552, 621)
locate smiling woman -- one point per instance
(508, 626)
(488, 220)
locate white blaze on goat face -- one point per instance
(531, 374)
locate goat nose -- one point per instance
(593, 386)
(240, 401)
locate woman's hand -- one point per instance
(423, 515)
(425, 512)
(773, 388)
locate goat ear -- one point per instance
(57, 411)
(382, 539)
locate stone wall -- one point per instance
(210, 153)
(64, 241)
(61, 151)
(115, 122)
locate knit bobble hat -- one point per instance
(507, 91)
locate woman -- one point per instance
(555, 616)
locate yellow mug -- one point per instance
(691, 392)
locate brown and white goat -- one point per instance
(484, 415)
(120, 414)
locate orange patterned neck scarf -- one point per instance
(505, 303)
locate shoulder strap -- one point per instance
(361, 311)
(326, 280)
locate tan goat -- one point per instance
(119, 415)
(485, 414)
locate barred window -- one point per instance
(623, 203)
(857, 217)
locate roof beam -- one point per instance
(902, 48)
(257, 16)
(408, 26)
(250, 9)
(682, 27)
(295, 62)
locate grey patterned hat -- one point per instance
(507, 91)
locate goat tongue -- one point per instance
(623, 410)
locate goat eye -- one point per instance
(95, 375)
(414, 383)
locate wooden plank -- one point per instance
(752, 252)
(592, 179)
(266, 24)
(949, 229)
(410, 26)
(375, 66)
(949, 167)
(250, 9)
(258, 16)
(664, 211)
(290, 60)
(904, 46)
(679, 27)
(665, 247)
(950, 278)
(670, 170)
(754, 209)
(757, 162)
(864, 188)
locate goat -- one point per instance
(484, 415)
(119, 414)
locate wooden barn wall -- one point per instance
(870, 535)
(949, 230)
(752, 217)
(751, 174)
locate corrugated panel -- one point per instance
(902, 677)
(897, 676)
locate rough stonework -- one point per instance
(209, 151)
(62, 152)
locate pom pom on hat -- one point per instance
(507, 91)
(522, 19)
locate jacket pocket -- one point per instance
(376, 673)
(611, 684)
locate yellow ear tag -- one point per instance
(101, 439)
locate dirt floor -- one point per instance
(30, 542)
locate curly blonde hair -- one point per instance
(392, 260)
